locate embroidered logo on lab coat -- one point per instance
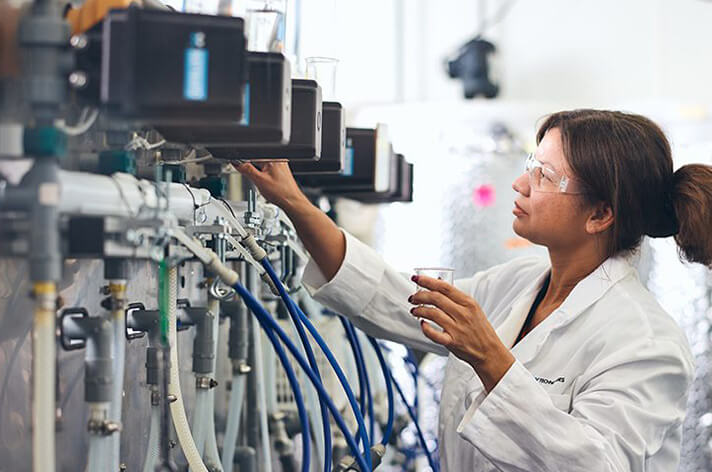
(542, 380)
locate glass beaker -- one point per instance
(265, 24)
(323, 70)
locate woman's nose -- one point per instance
(521, 184)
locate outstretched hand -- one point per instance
(274, 181)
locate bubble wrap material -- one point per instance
(685, 291)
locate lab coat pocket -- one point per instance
(562, 402)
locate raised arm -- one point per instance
(320, 236)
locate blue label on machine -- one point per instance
(195, 80)
(349, 161)
(246, 106)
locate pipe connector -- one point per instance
(204, 341)
(103, 427)
(78, 330)
(283, 445)
(348, 463)
(205, 383)
(255, 250)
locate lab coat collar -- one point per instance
(594, 286)
(585, 293)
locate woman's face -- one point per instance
(549, 218)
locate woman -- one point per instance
(566, 364)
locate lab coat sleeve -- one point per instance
(373, 295)
(619, 417)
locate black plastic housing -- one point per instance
(333, 143)
(402, 191)
(305, 140)
(164, 67)
(367, 164)
(268, 109)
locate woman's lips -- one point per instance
(518, 210)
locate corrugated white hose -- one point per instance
(199, 424)
(118, 293)
(99, 445)
(43, 372)
(211, 454)
(234, 412)
(154, 432)
(180, 421)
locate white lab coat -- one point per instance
(600, 385)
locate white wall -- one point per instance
(583, 52)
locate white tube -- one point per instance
(180, 421)
(313, 405)
(211, 454)
(198, 423)
(270, 371)
(153, 450)
(261, 399)
(118, 294)
(43, 373)
(234, 412)
(97, 453)
(99, 445)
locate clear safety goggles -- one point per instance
(546, 179)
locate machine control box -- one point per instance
(333, 143)
(268, 109)
(366, 167)
(401, 191)
(305, 137)
(163, 67)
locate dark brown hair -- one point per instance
(624, 160)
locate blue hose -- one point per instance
(293, 382)
(359, 371)
(411, 360)
(269, 325)
(337, 369)
(421, 438)
(310, 357)
(366, 396)
(389, 389)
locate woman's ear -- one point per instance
(600, 219)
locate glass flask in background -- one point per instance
(323, 70)
(265, 25)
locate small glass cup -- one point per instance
(440, 273)
(323, 70)
(265, 26)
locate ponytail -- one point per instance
(692, 200)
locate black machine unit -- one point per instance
(305, 139)
(268, 109)
(366, 167)
(401, 191)
(163, 67)
(333, 143)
